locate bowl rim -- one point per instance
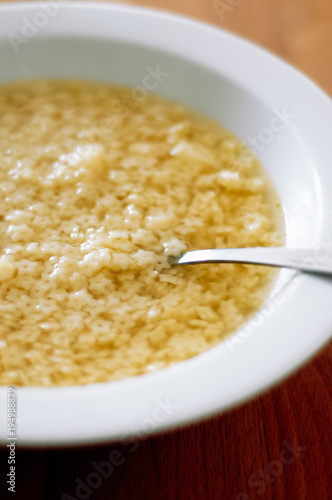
(187, 392)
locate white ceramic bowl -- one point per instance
(254, 95)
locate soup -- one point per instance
(97, 190)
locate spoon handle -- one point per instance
(311, 261)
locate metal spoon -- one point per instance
(310, 261)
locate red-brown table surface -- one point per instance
(275, 447)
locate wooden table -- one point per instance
(275, 447)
